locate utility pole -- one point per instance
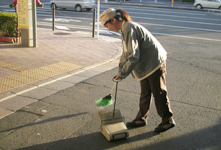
(98, 16)
(34, 18)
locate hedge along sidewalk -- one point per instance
(8, 23)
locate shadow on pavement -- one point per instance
(44, 121)
(207, 138)
(9, 45)
(94, 141)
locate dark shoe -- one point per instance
(164, 127)
(136, 123)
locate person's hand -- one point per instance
(117, 77)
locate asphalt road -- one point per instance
(171, 22)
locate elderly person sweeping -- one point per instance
(145, 58)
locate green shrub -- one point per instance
(8, 23)
(188, 1)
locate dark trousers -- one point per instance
(155, 85)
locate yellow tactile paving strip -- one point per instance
(12, 67)
(32, 75)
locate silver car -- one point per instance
(200, 4)
(78, 5)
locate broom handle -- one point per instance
(115, 98)
(113, 87)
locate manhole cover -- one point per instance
(61, 33)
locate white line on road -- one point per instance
(62, 27)
(61, 20)
(5, 6)
(161, 10)
(171, 26)
(69, 26)
(170, 20)
(178, 16)
(79, 18)
(146, 18)
(195, 29)
(189, 37)
(110, 32)
(63, 12)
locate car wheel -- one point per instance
(78, 8)
(198, 6)
(52, 6)
(88, 9)
(220, 7)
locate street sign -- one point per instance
(26, 10)
(22, 10)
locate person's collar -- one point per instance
(122, 25)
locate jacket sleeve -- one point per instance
(131, 54)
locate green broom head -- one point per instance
(105, 101)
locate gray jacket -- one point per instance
(142, 53)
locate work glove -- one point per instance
(40, 5)
(11, 5)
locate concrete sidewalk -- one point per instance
(59, 55)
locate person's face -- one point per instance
(112, 26)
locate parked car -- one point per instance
(78, 5)
(200, 4)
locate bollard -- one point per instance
(53, 16)
(17, 31)
(94, 18)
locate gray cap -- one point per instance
(107, 15)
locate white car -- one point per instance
(78, 5)
(200, 4)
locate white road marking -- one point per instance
(111, 32)
(160, 10)
(62, 27)
(62, 20)
(69, 26)
(192, 22)
(146, 18)
(165, 15)
(5, 6)
(189, 37)
(170, 26)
